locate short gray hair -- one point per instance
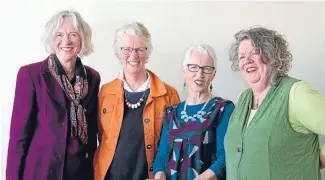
(203, 49)
(83, 28)
(133, 29)
(270, 44)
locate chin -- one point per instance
(134, 70)
(66, 56)
(198, 90)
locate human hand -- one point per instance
(160, 175)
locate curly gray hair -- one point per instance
(270, 44)
(83, 28)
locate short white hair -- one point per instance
(82, 27)
(203, 49)
(132, 29)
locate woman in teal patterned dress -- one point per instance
(191, 144)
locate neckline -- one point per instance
(252, 122)
(201, 104)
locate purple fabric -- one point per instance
(39, 128)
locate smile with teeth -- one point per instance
(133, 63)
(251, 69)
(66, 48)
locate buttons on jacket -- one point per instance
(239, 149)
(86, 155)
(149, 146)
(146, 120)
(104, 110)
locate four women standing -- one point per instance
(143, 129)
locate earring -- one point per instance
(184, 85)
(211, 87)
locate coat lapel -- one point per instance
(91, 86)
(53, 87)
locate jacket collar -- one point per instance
(157, 87)
(55, 90)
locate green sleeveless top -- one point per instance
(269, 149)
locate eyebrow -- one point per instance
(68, 33)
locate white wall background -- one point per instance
(174, 26)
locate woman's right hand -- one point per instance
(160, 175)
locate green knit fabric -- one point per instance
(269, 149)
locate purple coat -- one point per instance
(39, 124)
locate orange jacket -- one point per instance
(111, 108)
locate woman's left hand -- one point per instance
(207, 175)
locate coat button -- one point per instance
(146, 120)
(59, 157)
(239, 149)
(149, 146)
(86, 155)
(104, 110)
(151, 169)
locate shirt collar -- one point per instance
(143, 87)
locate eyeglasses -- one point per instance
(196, 68)
(139, 51)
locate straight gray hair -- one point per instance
(132, 29)
(203, 49)
(83, 28)
(271, 45)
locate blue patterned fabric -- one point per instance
(187, 149)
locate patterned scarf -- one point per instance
(75, 94)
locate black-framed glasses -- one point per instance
(139, 51)
(196, 68)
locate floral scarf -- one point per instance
(75, 94)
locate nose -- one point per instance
(133, 53)
(248, 60)
(66, 40)
(200, 72)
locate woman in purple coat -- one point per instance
(54, 119)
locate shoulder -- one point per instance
(170, 89)
(223, 101)
(111, 84)
(114, 85)
(244, 94)
(224, 105)
(301, 86)
(160, 85)
(301, 92)
(173, 107)
(33, 69)
(92, 72)
(169, 113)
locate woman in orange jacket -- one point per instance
(130, 110)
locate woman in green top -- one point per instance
(273, 132)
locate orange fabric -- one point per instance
(111, 108)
